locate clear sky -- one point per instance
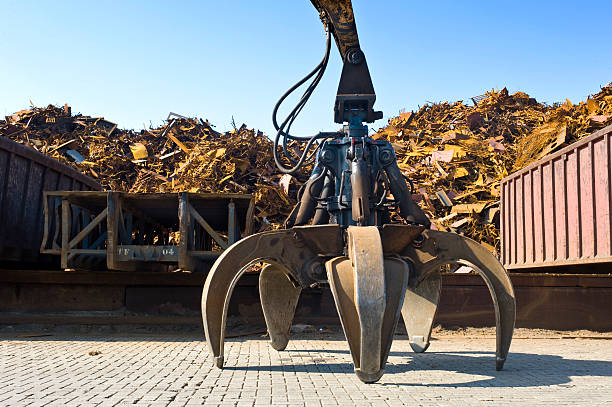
(134, 61)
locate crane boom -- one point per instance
(355, 94)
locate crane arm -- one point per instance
(355, 96)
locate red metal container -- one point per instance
(557, 211)
(24, 175)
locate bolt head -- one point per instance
(355, 56)
(327, 156)
(386, 156)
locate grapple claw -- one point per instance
(377, 274)
(279, 297)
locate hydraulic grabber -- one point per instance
(340, 233)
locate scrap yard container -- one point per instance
(557, 211)
(24, 175)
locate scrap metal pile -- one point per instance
(455, 154)
(185, 154)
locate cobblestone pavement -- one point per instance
(177, 370)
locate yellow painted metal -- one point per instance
(339, 13)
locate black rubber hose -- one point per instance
(321, 64)
(285, 132)
(306, 155)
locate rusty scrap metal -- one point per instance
(183, 155)
(514, 131)
(458, 154)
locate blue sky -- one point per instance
(134, 61)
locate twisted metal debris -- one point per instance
(457, 154)
(454, 153)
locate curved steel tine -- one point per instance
(279, 297)
(290, 248)
(377, 343)
(368, 291)
(419, 308)
(440, 248)
(368, 268)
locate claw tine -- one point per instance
(218, 289)
(365, 252)
(368, 291)
(419, 308)
(279, 297)
(453, 248)
(223, 277)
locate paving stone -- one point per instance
(164, 370)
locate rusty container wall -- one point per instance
(24, 175)
(557, 211)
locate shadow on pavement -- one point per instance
(521, 369)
